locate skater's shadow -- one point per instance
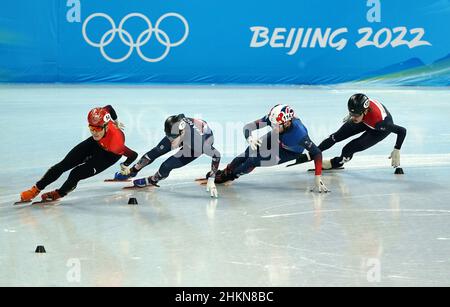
(389, 178)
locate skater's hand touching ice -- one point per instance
(211, 187)
(319, 186)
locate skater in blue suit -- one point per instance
(287, 141)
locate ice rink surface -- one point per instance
(266, 229)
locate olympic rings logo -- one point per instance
(142, 39)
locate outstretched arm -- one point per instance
(161, 149)
(125, 166)
(401, 134)
(131, 156)
(215, 155)
(315, 154)
(399, 130)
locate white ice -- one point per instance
(266, 229)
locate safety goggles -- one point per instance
(96, 128)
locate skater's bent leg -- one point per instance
(347, 130)
(365, 141)
(324, 145)
(252, 162)
(76, 156)
(247, 161)
(95, 166)
(327, 143)
(246, 167)
(236, 162)
(268, 154)
(170, 164)
(286, 156)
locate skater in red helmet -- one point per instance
(102, 149)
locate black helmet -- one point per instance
(358, 103)
(173, 125)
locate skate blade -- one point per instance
(116, 180)
(327, 170)
(203, 181)
(20, 202)
(46, 202)
(132, 187)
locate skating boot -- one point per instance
(51, 196)
(144, 182)
(29, 194)
(119, 177)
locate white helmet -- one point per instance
(280, 114)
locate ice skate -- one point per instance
(118, 177)
(28, 195)
(143, 183)
(48, 197)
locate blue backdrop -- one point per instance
(200, 41)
